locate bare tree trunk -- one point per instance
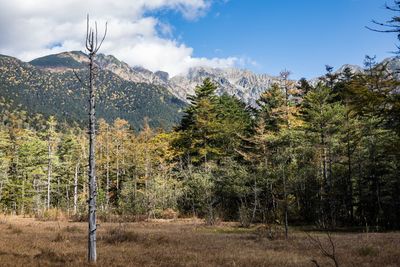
(285, 204)
(324, 160)
(92, 255)
(67, 196)
(58, 192)
(255, 200)
(107, 171)
(325, 182)
(23, 196)
(349, 181)
(49, 169)
(1, 189)
(285, 75)
(117, 155)
(76, 188)
(331, 198)
(2, 185)
(93, 47)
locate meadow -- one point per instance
(187, 242)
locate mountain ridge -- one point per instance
(52, 89)
(48, 85)
(243, 83)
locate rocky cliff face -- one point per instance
(244, 84)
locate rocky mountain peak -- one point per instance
(242, 83)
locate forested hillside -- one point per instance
(325, 154)
(60, 94)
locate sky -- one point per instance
(265, 36)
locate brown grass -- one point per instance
(183, 243)
(119, 234)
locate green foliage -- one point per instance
(212, 126)
(324, 154)
(60, 94)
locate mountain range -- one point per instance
(243, 83)
(48, 85)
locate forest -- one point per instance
(321, 153)
(104, 163)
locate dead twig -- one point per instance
(329, 254)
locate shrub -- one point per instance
(3, 220)
(15, 230)
(47, 254)
(244, 216)
(169, 214)
(60, 237)
(272, 232)
(367, 251)
(51, 215)
(72, 229)
(79, 217)
(119, 235)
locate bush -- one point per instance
(119, 235)
(169, 214)
(47, 254)
(79, 217)
(3, 219)
(15, 230)
(72, 229)
(272, 232)
(60, 237)
(212, 216)
(367, 251)
(244, 216)
(51, 215)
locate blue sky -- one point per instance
(265, 36)
(301, 36)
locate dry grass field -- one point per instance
(28, 242)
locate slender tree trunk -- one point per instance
(255, 200)
(332, 199)
(1, 190)
(76, 188)
(37, 198)
(117, 155)
(67, 196)
(23, 196)
(285, 204)
(349, 178)
(324, 161)
(107, 170)
(285, 76)
(92, 255)
(92, 45)
(2, 185)
(49, 170)
(58, 191)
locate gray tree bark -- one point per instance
(49, 170)
(76, 188)
(92, 255)
(107, 170)
(92, 46)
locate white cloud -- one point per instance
(34, 28)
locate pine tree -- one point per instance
(322, 123)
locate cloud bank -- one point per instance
(34, 28)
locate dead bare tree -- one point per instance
(284, 75)
(92, 46)
(329, 254)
